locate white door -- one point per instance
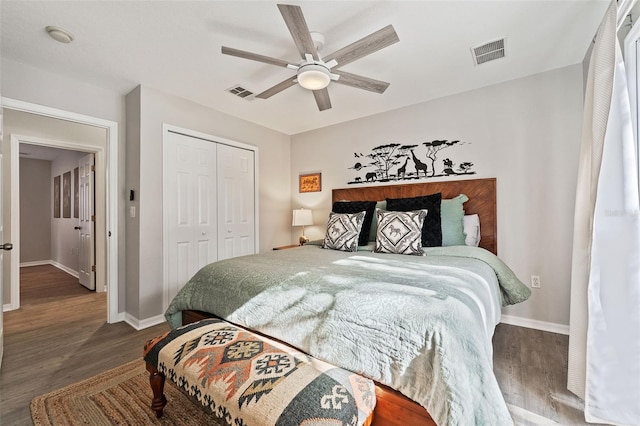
(189, 208)
(5, 246)
(236, 202)
(1, 255)
(86, 251)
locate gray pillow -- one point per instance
(452, 220)
(343, 230)
(400, 232)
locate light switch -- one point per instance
(132, 211)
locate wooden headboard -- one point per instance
(481, 193)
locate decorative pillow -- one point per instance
(354, 207)
(400, 232)
(382, 205)
(451, 214)
(472, 229)
(343, 230)
(431, 230)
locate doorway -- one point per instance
(55, 226)
(106, 221)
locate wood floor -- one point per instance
(60, 336)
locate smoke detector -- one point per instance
(59, 34)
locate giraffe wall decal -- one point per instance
(419, 165)
(402, 170)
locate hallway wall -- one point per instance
(35, 210)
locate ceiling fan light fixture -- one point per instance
(313, 77)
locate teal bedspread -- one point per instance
(419, 324)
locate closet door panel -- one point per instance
(236, 201)
(189, 208)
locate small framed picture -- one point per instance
(76, 194)
(56, 196)
(66, 194)
(311, 182)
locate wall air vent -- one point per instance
(241, 92)
(488, 51)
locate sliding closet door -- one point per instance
(236, 201)
(189, 208)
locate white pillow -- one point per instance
(471, 224)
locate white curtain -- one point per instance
(604, 341)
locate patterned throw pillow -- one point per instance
(343, 230)
(400, 232)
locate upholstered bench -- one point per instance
(247, 379)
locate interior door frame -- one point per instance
(107, 165)
(166, 128)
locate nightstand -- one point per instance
(286, 247)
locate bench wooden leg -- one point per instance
(156, 379)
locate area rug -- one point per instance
(121, 396)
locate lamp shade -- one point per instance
(302, 217)
(313, 77)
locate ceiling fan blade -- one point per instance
(365, 46)
(254, 56)
(322, 99)
(297, 25)
(291, 81)
(361, 82)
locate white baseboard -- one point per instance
(145, 323)
(52, 263)
(121, 316)
(65, 268)
(535, 324)
(7, 307)
(35, 263)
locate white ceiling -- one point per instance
(174, 46)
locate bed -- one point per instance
(419, 326)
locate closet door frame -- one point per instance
(166, 128)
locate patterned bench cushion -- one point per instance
(248, 379)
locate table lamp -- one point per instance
(302, 217)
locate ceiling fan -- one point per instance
(315, 73)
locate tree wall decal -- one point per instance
(406, 157)
(433, 148)
(383, 156)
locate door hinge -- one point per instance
(93, 268)
(93, 218)
(93, 168)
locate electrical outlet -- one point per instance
(535, 281)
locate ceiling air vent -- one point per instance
(488, 51)
(241, 92)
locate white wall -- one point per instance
(525, 132)
(274, 182)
